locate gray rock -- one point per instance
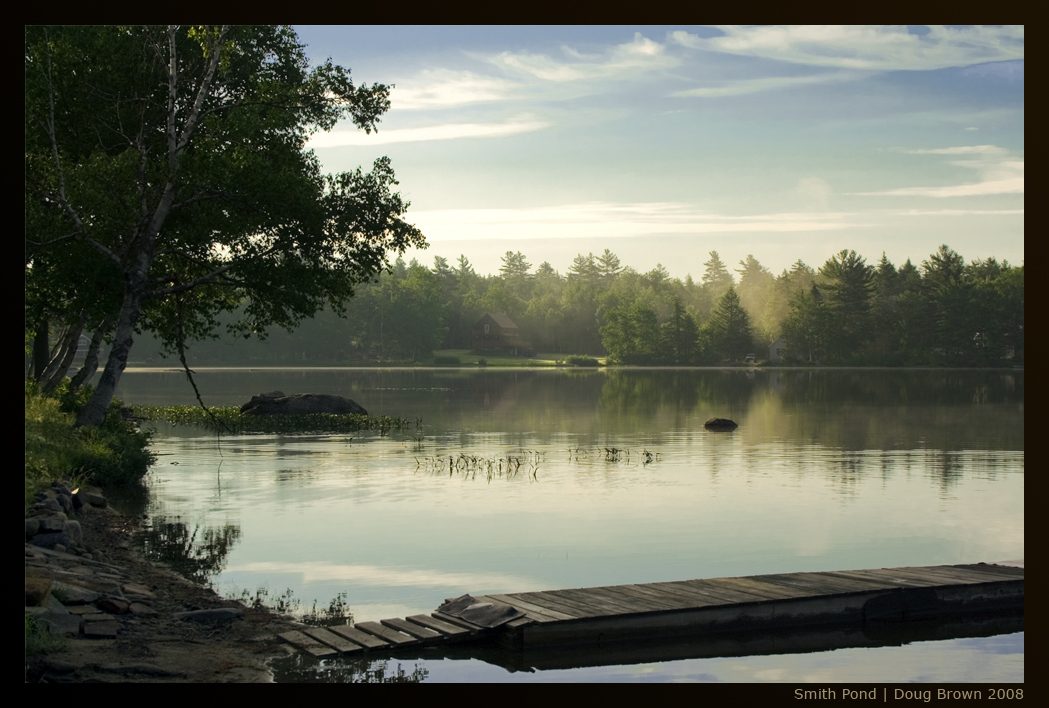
(76, 534)
(301, 404)
(49, 505)
(60, 622)
(32, 527)
(96, 500)
(113, 605)
(51, 540)
(101, 630)
(52, 523)
(222, 614)
(138, 608)
(74, 594)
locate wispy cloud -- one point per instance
(1000, 173)
(642, 54)
(960, 212)
(883, 48)
(611, 220)
(767, 84)
(448, 131)
(443, 88)
(1000, 186)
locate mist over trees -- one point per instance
(943, 312)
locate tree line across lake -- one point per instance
(943, 312)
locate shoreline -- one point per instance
(125, 619)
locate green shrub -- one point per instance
(580, 360)
(114, 453)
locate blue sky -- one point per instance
(664, 143)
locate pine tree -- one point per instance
(730, 331)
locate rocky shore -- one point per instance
(99, 612)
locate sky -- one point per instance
(665, 143)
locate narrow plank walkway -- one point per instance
(688, 607)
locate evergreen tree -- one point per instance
(680, 338)
(806, 328)
(608, 267)
(847, 286)
(730, 331)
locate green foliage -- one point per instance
(115, 453)
(173, 163)
(232, 421)
(729, 330)
(40, 641)
(848, 313)
(579, 360)
(631, 334)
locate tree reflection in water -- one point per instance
(198, 555)
(299, 668)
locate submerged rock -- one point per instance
(276, 403)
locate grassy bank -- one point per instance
(115, 453)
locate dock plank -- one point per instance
(724, 594)
(961, 575)
(767, 590)
(1006, 572)
(698, 596)
(307, 644)
(623, 602)
(591, 601)
(881, 579)
(585, 606)
(919, 577)
(547, 599)
(540, 614)
(385, 633)
(355, 635)
(335, 641)
(411, 629)
(821, 584)
(445, 628)
(656, 598)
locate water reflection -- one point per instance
(302, 669)
(829, 470)
(198, 555)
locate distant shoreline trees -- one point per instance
(848, 312)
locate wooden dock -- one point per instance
(688, 608)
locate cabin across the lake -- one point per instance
(495, 332)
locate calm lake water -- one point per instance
(592, 477)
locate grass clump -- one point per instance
(39, 641)
(229, 419)
(442, 360)
(114, 453)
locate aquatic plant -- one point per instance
(229, 419)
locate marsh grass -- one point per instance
(613, 454)
(229, 419)
(470, 466)
(287, 605)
